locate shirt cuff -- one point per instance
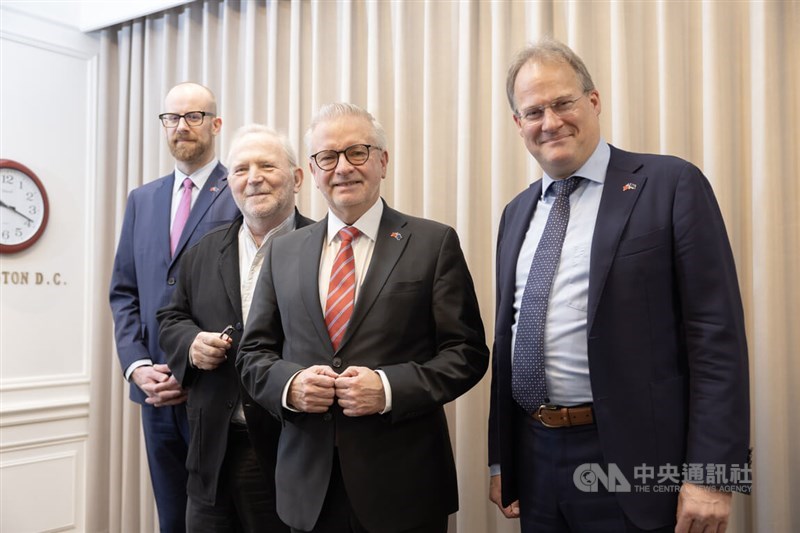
(387, 391)
(285, 395)
(494, 470)
(136, 364)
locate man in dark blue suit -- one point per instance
(163, 219)
(619, 375)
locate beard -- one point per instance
(191, 152)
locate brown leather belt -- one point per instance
(554, 416)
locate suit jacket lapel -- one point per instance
(385, 255)
(213, 187)
(513, 237)
(162, 201)
(620, 193)
(229, 267)
(309, 278)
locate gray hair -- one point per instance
(260, 129)
(546, 50)
(340, 109)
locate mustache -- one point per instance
(255, 192)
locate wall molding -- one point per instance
(23, 384)
(68, 489)
(62, 39)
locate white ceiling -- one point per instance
(90, 15)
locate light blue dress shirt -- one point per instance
(565, 336)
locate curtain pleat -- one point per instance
(713, 82)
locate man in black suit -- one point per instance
(643, 376)
(363, 326)
(232, 448)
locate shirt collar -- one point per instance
(368, 224)
(199, 176)
(281, 229)
(593, 170)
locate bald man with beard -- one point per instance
(163, 218)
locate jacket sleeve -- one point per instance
(124, 294)
(713, 323)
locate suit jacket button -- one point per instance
(337, 362)
(327, 417)
(230, 405)
(238, 326)
(171, 281)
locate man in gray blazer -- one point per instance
(362, 327)
(233, 441)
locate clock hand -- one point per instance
(14, 209)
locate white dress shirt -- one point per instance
(251, 257)
(198, 177)
(363, 246)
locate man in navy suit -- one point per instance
(643, 373)
(155, 234)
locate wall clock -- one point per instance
(24, 209)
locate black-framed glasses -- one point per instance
(356, 155)
(561, 107)
(192, 118)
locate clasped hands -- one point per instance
(207, 352)
(358, 390)
(159, 384)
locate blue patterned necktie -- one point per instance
(528, 385)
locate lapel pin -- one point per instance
(629, 187)
(213, 189)
(396, 236)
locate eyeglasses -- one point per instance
(561, 107)
(356, 155)
(192, 118)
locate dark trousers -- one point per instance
(245, 495)
(337, 514)
(550, 500)
(166, 436)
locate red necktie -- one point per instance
(342, 288)
(181, 215)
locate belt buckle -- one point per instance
(548, 407)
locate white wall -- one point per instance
(90, 15)
(48, 106)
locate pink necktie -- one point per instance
(181, 215)
(342, 288)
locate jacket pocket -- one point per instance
(643, 243)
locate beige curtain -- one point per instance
(714, 82)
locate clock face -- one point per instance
(24, 209)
